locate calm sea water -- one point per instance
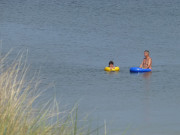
(71, 41)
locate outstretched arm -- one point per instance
(141, 65)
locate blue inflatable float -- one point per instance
(137, 69)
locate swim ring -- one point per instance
(114, 69)
(137, 69)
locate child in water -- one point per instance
(111, 65)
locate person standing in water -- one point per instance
(147, 61)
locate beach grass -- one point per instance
(19, 112)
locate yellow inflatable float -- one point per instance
(113, 69)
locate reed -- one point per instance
(18, 96)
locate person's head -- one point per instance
(111, 64)
(146, 53)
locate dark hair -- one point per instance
(111, 62)
(146, 51)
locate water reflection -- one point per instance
(146, 91)
(112, 73)
(147, 75)
(147, 87)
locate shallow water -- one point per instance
(71, 41)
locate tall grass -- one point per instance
(18, 94)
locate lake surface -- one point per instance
(71, 41)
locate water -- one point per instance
(71, 41)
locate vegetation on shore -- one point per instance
(18, 96)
